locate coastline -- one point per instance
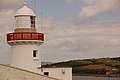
(98, 75)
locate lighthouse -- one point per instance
(25, 41)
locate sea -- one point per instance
(93, 78)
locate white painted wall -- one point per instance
(59, 73)
(22, 57)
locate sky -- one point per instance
(74, 29)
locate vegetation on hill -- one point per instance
(91, 66)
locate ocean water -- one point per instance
(93, 78)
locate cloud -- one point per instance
(95, 8)
(6, 26)
(70, 1)
(7, 21)
(83, 1)
(72, 39)
(88, 2)
(7, 13)
(66, 41)
(8, 4)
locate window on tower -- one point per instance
(34, 53)
(32, 21)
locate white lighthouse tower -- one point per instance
(25, 41)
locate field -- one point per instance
(97, 67)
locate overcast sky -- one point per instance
(74, 29)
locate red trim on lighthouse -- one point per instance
(25, 36)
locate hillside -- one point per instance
(105, 66)
(97, 67)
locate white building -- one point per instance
(25, 44)
(62, 73)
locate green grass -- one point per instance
(97, 67)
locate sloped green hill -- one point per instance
(91, 66)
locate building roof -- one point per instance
(25, 11)
(11, 73)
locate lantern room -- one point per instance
(25, 18)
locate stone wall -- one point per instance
(11, 73)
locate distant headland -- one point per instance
(109, 67)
